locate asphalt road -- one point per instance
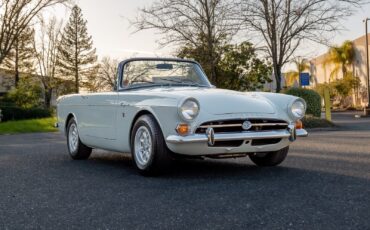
(323, 184)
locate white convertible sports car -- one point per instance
(163, 108)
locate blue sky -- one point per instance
(108, 24)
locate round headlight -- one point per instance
(298, 109)
(189, 109)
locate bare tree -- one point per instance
(46, 51)
(284, 24)
(15, 16)
(194, 23)
(103, 76)
(92, 81)
(108, 73)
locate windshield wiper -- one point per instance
(185, 82)
(139, 86)
(142, 81)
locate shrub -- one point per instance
(26, 95)
(311, 97)
(311, 122)
(23, 102)
(18, 113)
(345, 85)
(320, 89)
(340, 90)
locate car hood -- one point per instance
(220, 101)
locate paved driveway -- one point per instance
(323, 184)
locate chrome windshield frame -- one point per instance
(123, 63)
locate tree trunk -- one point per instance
(211, 60)
(48, 95)
(76, 82)
(76, 73)
(2, 57)
(277, 74)
(16, 66)
(344, 70)
(213, 74)
(210, 42)
(76, 61)
(16, 78)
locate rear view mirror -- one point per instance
(164, 66)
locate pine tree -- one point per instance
(76, 52)
(21, 56)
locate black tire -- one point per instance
(270, 158)
(81, 152)
(160, 156)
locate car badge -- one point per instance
(247, 125)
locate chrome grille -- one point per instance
(226, 126)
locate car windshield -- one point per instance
(143, 73)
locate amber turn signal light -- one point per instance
(183, 129)
(299, 124)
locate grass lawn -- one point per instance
(28, 126)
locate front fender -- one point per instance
(166, 116)
(281, 103)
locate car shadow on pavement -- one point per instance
(183, 168)
(238, 167)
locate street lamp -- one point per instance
(367, 110)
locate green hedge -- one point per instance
(17, 113)
(312, 98)
(311, 122)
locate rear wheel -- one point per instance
(269, 158)
(148, 147)
(76, 149)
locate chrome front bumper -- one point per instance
(290, 133)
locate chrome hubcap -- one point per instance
(143, 146)
(73, 138)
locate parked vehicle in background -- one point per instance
(163, 108)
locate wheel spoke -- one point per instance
(142, 146)
(73, 138)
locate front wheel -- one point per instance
(77, 150)
(269, 158)
(148, 147)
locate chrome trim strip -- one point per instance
(240, 125)
(269, 124)
(220, 126)
(228, 136)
